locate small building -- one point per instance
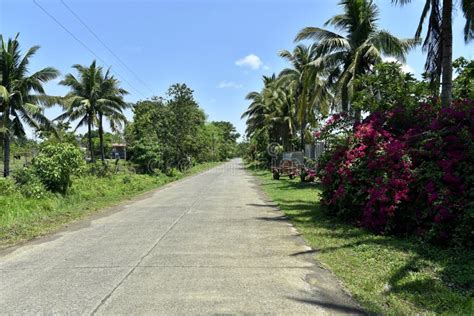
(119, 151)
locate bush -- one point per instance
(7, 186)
(406, 172)
(147, 156)
(56, 163)
(173, 172)
(29, 184)
(99, 169)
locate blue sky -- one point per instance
(220, 48)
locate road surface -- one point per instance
(209, 244)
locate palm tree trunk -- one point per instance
(285, 137)
(303, 128)
(101, 138)
(344, 99)
(447, 59)
(89, 137)
(357, 115)
(6, 152)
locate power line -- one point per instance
(84, 45)
(106, 46)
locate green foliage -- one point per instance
(173, 172)
(172, 133)
(463, 85)
(186, 119)
(258, 149)
(227, 139)
(55, 164)
(108, 140)
(7, 186)
(387, 87)
(60, 135)
(146, 155)
(273, 112)
(94, 95)
(242, 149)
(22, 95)
(99, 169)
(346, 55)
(29, 184)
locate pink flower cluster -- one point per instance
(406, 172)
(334, 122)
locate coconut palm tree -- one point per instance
(111, 105)
(272, 111)
(354, 51)
(311, 93)
(258, 109)
(279, 96)
(438, 42)
(22, 96)
(255, 114)
(81, 102)
(93, 96)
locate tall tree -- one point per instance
(272, 111)
(186, 119)
(311, 93)
(110, 105)
(93, 96)
(438, 42)
(81, 102)
(21, 95)
(357, 49)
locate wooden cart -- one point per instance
(291, 164)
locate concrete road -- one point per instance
(209, 244)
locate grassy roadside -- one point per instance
(24, 218)
(386, 275)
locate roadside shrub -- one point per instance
(173, 172)
(56, 163)
(126, 179)
(29, 184)
(406, 172)
(99, 169)
(147, 155)
(7, 186)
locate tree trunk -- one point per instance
(447, 59)
(101, 138)
(89, 137)
(285, 137)
(357, 116)
(344, 99)
(303, 128)
(6, 153)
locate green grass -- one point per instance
(24, 218)
(387, 275)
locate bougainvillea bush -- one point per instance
(404, 171)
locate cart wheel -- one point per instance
(291, 176)
(276, 175)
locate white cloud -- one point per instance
(251, 61)
(266, 67)
(229, 84)
(405, 67)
